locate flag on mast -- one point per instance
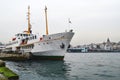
(45, 8)
(69, 21)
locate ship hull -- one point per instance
(54, 48)
(49, 55)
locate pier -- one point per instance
(14, 57)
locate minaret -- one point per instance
(46, 20)
(29, 25)
(108, 40)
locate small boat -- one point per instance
(77, 50)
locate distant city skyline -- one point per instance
(93, 21)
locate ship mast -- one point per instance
(46, 20)
(29, 25)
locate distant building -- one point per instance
(105, 46)
(102, 45)
(108, 45)
(92, 46)
(2, 46)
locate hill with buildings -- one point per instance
(107, 46)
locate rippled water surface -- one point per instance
(76, 66)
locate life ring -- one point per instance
(41, 38)
(62, 46)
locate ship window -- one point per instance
(49, 37)
(24, 34)
(32, 46)
(35, 37)
(43, 35)
(27, 38)
(31, 38)
(17, 34)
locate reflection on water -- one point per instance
(40, 70)
(74, 67)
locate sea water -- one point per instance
(75, 66)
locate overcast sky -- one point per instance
(93, 21)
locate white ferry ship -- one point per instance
(49, 46)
